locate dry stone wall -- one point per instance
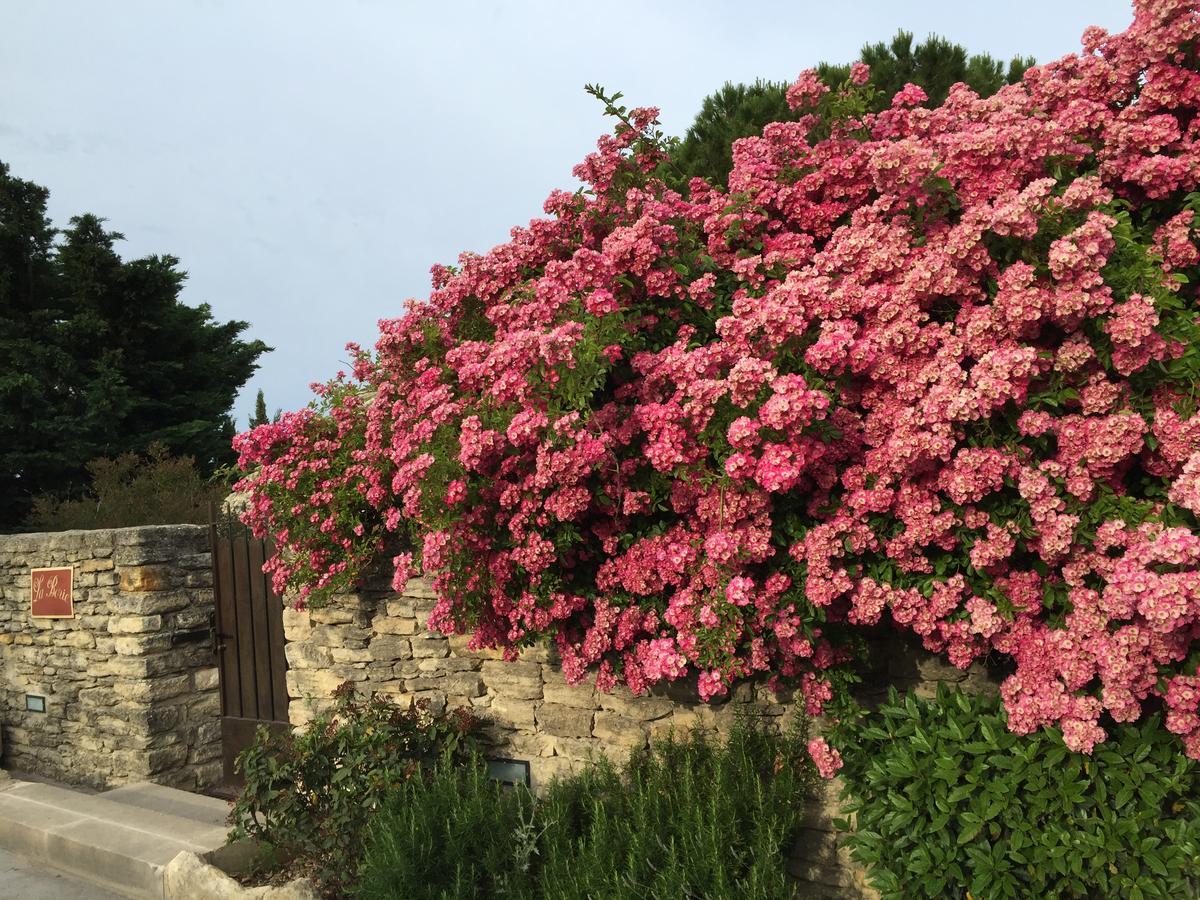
(378, 640)
(129, 683)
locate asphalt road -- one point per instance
(20, 878)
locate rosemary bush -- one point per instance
(687, 818)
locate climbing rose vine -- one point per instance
(933, 367)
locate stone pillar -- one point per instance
(130, 683)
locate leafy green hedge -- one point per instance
(688, 818)
(947, 800)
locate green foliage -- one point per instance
(98, 356)
(687, 818)
(155, 489)
(260, 416)
(935, 64)
(948, 800)
(735, 111)
(309, 797)
(740, 110)
(456, 833)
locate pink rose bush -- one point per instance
(932, 367)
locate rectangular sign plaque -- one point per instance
(50, 593)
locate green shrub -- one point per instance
(686, 818)
(456, 833)
(948, 800)
(310, 796)
(155, 489)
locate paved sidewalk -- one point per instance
(21, 878)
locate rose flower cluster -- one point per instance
(931, 368)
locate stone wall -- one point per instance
(130, 683)
(378, 640)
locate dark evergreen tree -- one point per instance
(740, 110)
(260, 416)
(99, 357)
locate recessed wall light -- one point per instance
(509, 771)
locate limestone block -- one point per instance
(556, 690)
(312, 682)
(580, 749)
(400, 609)
(523, 746)
(458, 646)
(208, 733)
(306, 655)
(419, 588)
(436, 647)
(545, 770)
(148, 691)
(208, 774)
(140, 666)
(642, 709)
(144, 578)
(538, 654)
(139, 645)
(297, 626)
(449, 664)
(166, 758)
(566, 721)
(390, 624)
(98, 696)
(333, 614)
(617, 730)
(390, 647)
(514, 713)
(205, 707)
(513, 680)
(424, 683)
(134, 624)
(350, 671)
(96, 565)
(206, 679)
(339, 636)
(193, 617)
(80, 640)
(188, 877)
(667, 728)
(148, 603)
(350, 655)
(464, 684)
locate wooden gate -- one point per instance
(249, 641)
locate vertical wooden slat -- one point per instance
(245, 629)
(231, 696)
(257, 602)
(276, 644)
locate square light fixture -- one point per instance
(509, 772)
(34, 703)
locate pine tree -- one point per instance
(99, 357)
(739, 110)
(260, 411)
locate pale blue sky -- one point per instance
(308, 162)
